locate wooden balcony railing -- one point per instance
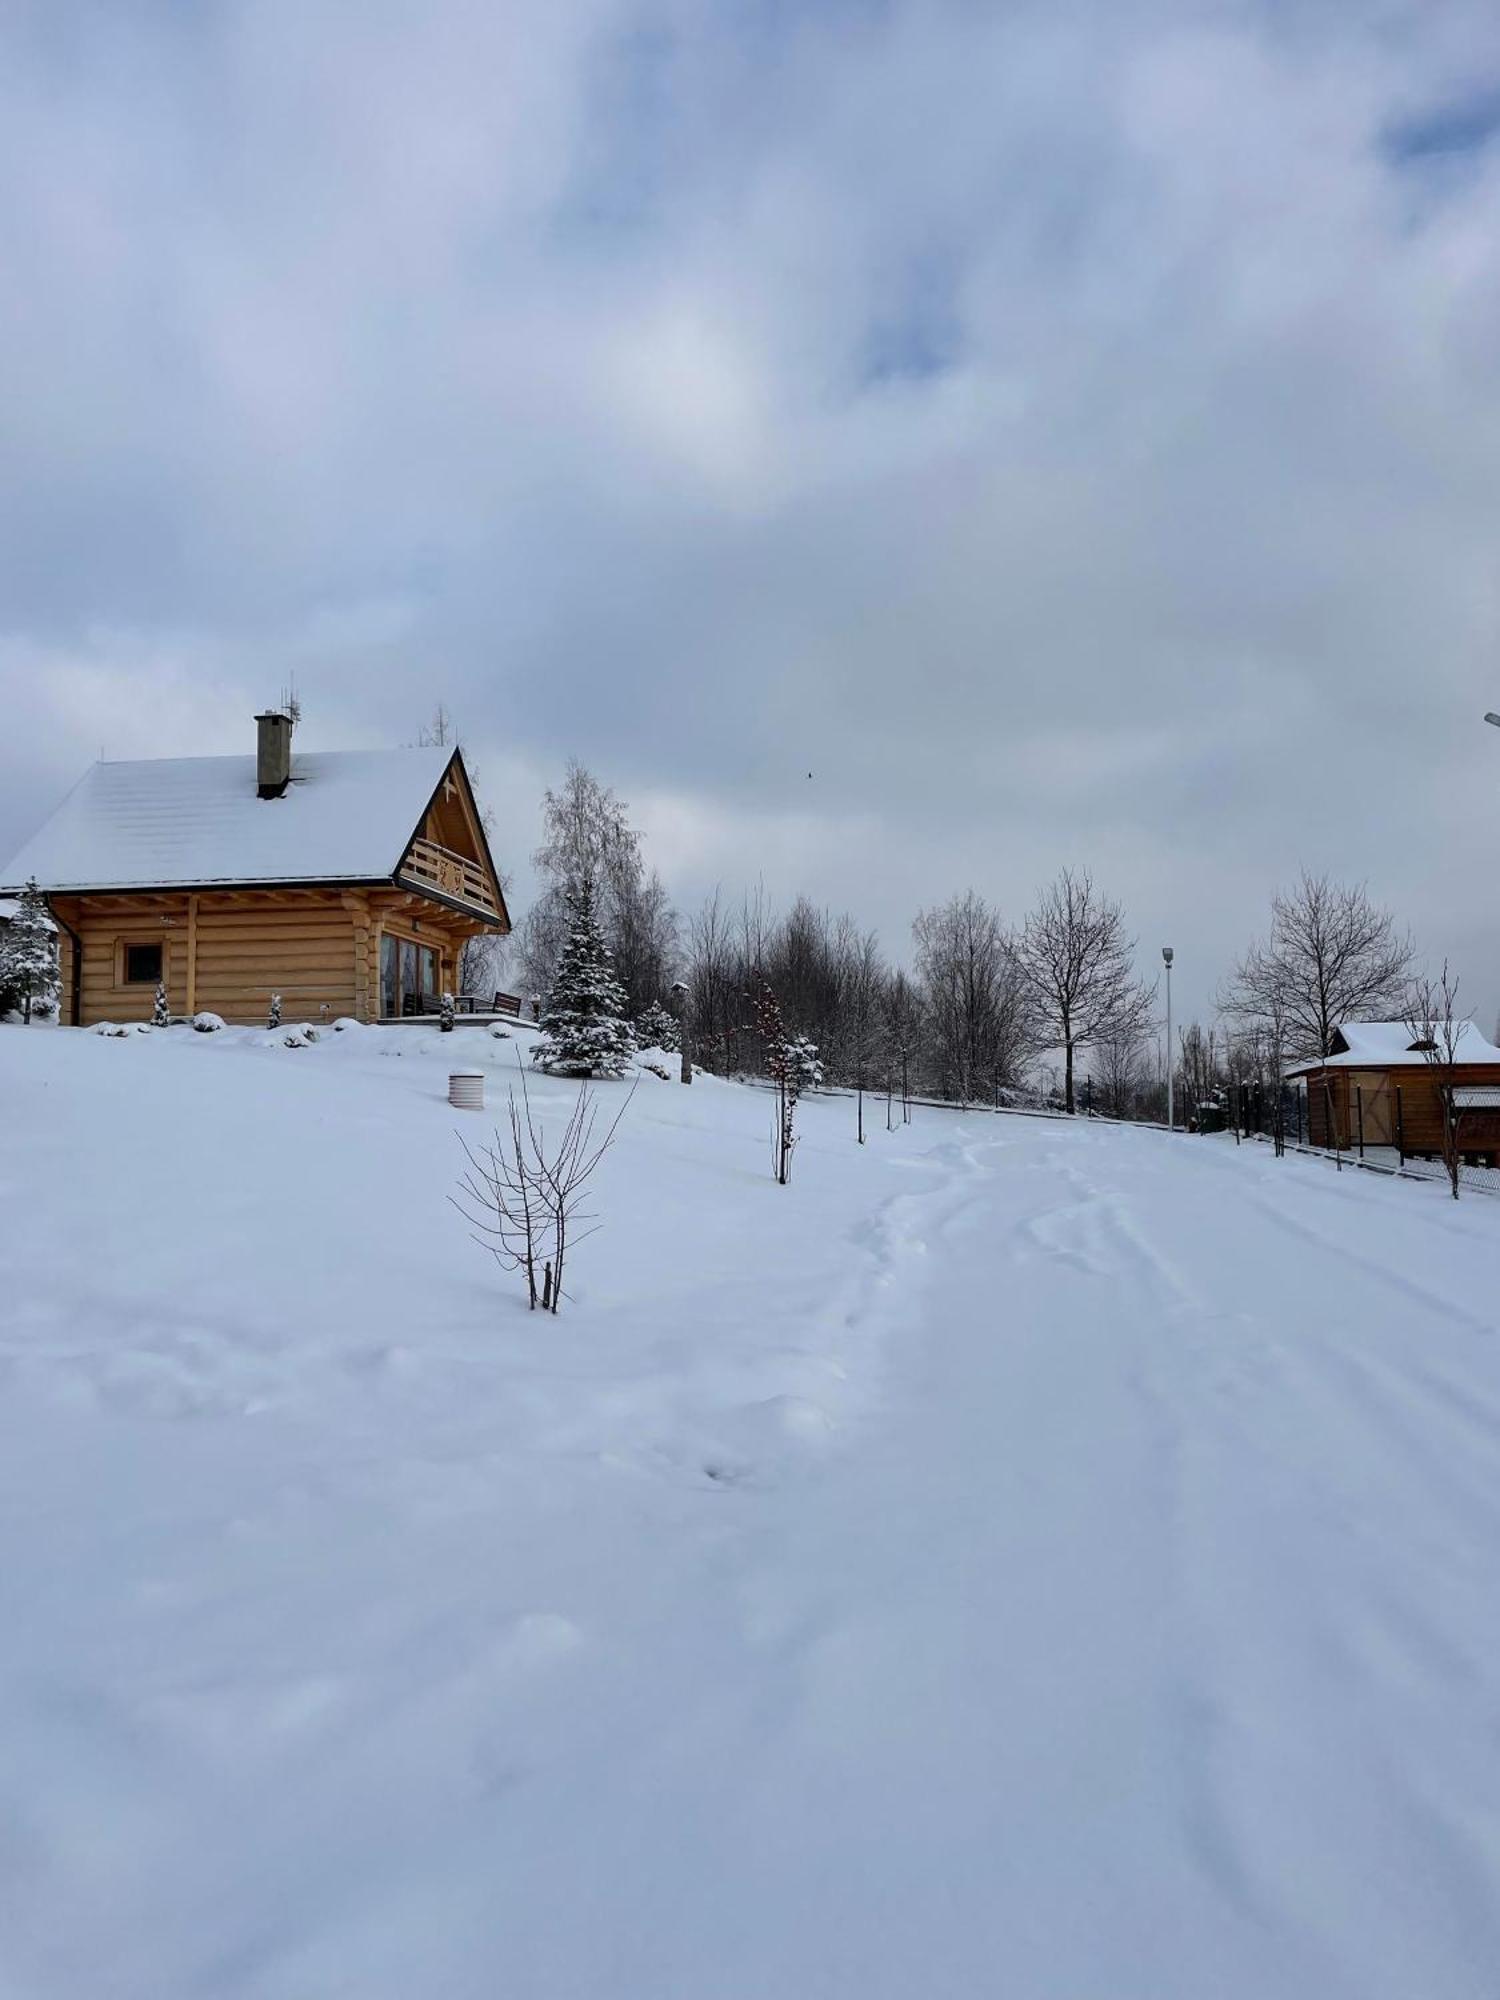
(432, 867)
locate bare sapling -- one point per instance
(524, 1193)
(1436, 1029)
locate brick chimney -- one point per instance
(273, 754)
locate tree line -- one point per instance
(987, 1010)
(982, 1001)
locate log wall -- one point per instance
(1402, 1100)
(226, 952)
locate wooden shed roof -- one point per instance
(1392, 1045)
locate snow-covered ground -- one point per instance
(1019, 1559)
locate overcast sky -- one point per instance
(1070, 430)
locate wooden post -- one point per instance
(366, 1001)
(683, 995)
(1400, 1132)
(1359, 1107)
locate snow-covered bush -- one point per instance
(655, 1028)
(297, 1039)
(161, 1014)
(346, 1021)
(112, 1028)
(500, 1034)
(446, 1011)
(208, 1024)
(584, 1029)
(273, 1016)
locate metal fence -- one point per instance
(1256, 1111)
(1246, 1111)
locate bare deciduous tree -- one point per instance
(1331, 955)
(482, 960)
(643, 933)
(1199, 1070)
(714, 986)
(904, 1025)
(975, 998)
(860, 978)
(524, 1195)
(1119, 1070)
(1076, 959)
(1437, 1028)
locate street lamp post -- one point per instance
(1166, 959)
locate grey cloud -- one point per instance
(1071, 430)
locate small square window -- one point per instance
(143, 965)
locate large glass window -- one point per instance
(390, 976)
(408, 976)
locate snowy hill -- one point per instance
(1018, 1558)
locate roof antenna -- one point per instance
(291, 708)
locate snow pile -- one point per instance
(1019, 1557)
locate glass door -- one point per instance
(408, 977)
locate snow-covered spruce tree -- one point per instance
(273, 1017)
(161, 1013)
(656, 1029)
(447, 1007)
(28, 959)
(793, 1067)
(584, 1029)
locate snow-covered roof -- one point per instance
(1392, 1045)
(176, 822)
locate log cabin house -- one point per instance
(1378, 1087)
(345, 881)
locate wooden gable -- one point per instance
(449, 854)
